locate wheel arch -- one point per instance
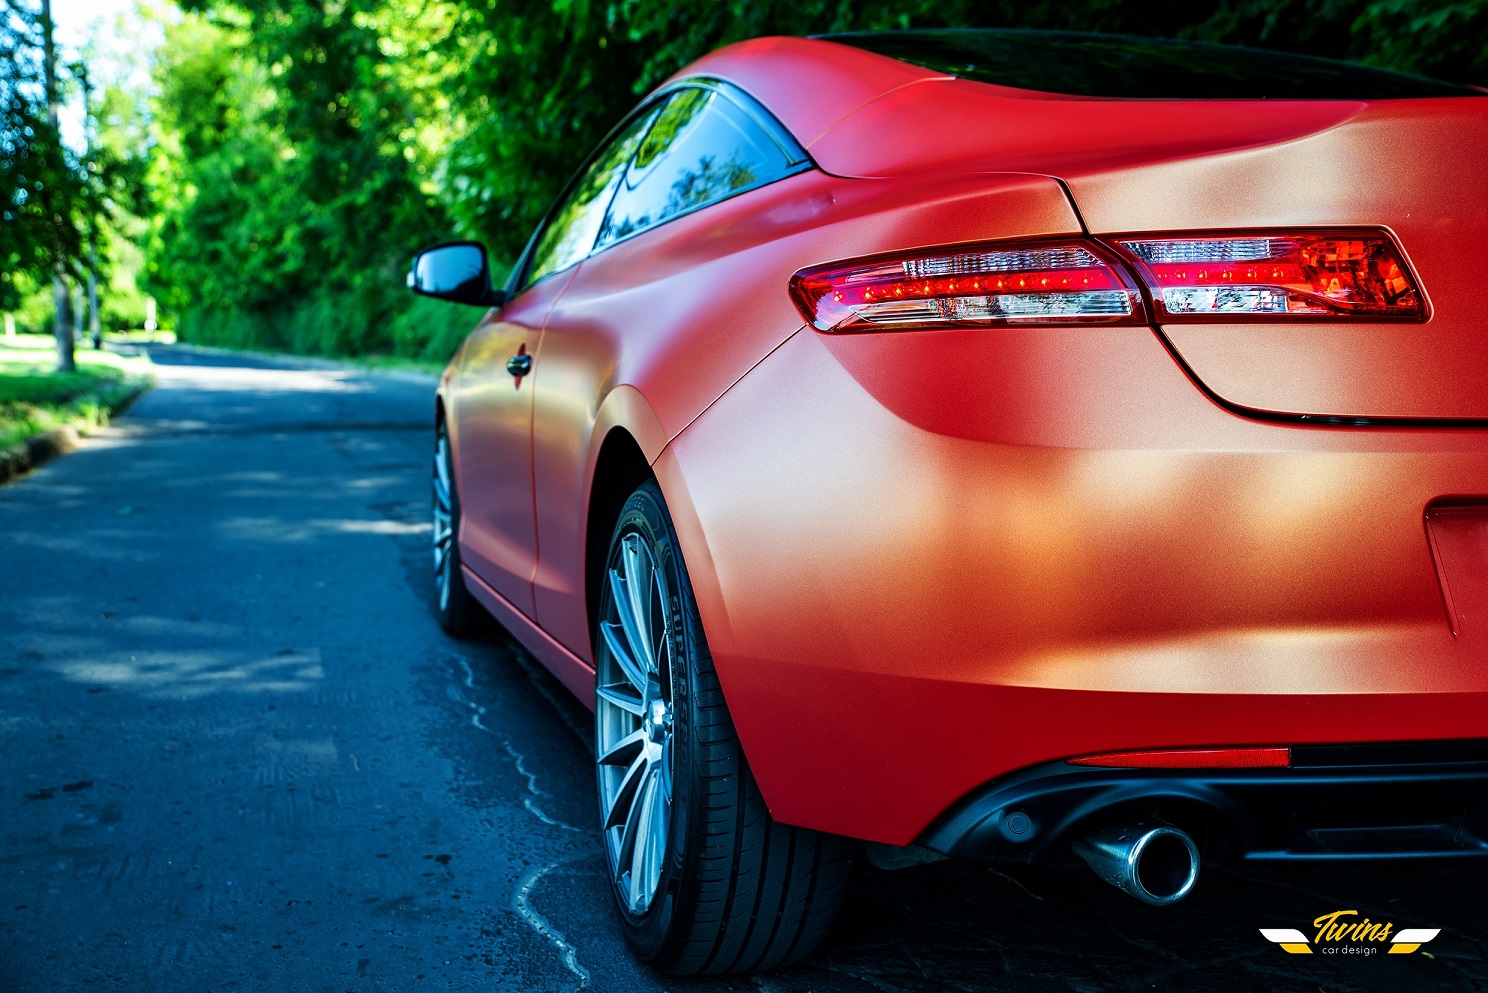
(627, 440)
(442, 416)
(619, 469)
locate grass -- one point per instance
(35, 398)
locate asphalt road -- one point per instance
(238, 754)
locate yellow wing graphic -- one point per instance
(1290, 939)
(1411, 938)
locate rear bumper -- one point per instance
(925, 562)
(1423, 799)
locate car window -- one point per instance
(1096, 65)
(702, 148)
(574, 223)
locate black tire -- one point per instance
(459, 614)
(737, 892)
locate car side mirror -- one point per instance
(456, 271)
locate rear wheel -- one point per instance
(458, 612)
(705, 880)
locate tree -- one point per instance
(38, 179)
(547, 78)
(305, 148)
(288, 180)
(53, 201)
(45, 190)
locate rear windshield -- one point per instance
(1094, 65)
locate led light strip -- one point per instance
(1031, 284)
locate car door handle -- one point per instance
(519, 365)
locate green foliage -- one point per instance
(1440, 38)
(289, 198)
(42, 188)
(1448, 40)
(303, 149)
(431, 329)
(555, 75)
(54, 200)
(32, 305)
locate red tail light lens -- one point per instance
(1308, 275)
(1048, 284)
(1192, 758)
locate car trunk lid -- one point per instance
(1410, 168)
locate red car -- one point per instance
(992, 444)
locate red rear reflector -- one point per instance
(1192, 758)
(1311, 275)
(995, 286)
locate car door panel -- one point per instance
(492, 411)
(634, 298)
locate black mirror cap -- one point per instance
(458, 271)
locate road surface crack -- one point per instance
(540, 924)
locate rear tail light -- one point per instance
(1192, 758)
(1331, 275)
(1047, 284)
(1307, 275)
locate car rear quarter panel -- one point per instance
(937, 557)
(678, 314)
(1414, 167)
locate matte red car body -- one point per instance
(926, 559)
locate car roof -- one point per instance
(861, 114)
(808, 84)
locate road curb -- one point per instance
(37, 450)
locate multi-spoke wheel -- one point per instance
(705, 880)
(458, 611)
(634, 722)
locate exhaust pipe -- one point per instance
(1156, 863)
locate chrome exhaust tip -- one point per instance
(1156, 863)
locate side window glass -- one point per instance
(702, 148)
(573, 225)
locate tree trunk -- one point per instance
(95, 326)
(62, 300)
(65, 360)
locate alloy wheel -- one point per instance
(633, 721)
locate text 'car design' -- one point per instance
(994, 444)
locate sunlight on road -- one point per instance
(228, 379)
(189, 675)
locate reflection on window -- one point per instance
(571, 231)
(681, 110)
(705, 182)
(702, 148)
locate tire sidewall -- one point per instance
(454, 612)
